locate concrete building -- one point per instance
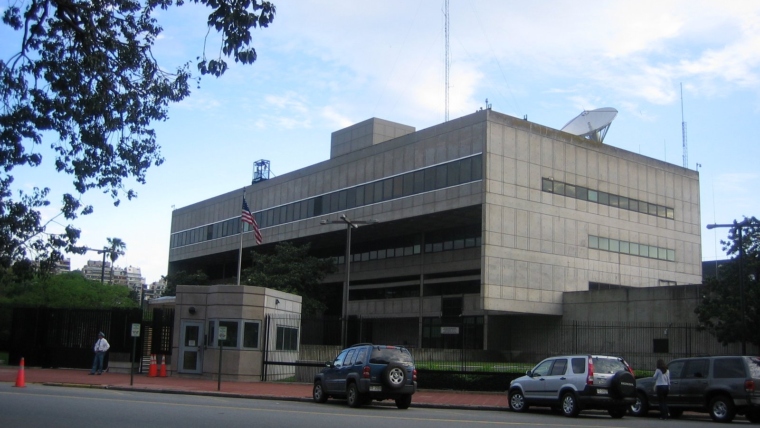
(95, 270)
(478, 219)
(129, 276)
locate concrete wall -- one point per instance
(673, 304)
(536, 243)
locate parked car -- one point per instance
(721, 386)
(366, 372)
(569, 384)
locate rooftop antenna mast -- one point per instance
(683, 132)
(448, 59)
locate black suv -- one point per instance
(569, 384)
(367, 372)
(721, 386)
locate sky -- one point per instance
(325, 65)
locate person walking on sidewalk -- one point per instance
(662, 387)
(101, 347)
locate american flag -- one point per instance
(247, 217)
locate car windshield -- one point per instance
(388, 355)
(608, 365)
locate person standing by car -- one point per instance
(100, 348)
(662, 387)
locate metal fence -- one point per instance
(524, 343)
(53, 337)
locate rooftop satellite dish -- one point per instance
(592, 124)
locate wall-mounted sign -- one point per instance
(449, 330)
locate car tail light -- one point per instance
(590, 378)
(365, 372)
(749, 385)
(414, 375)
(630, 369)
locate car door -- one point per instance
(675, 368)
(331, 376)
(693, 383)
(556, 379)
(535, 386)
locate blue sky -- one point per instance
(324, 65)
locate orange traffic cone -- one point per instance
(152, 368)
(163, 366)
(20, 375)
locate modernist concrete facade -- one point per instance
(482, 217)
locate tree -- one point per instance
(183, 278)
(85, 78)
(116, 248)
(720, 311)
(67, 290)
(291, 269)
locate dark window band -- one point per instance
(604, 198)
(449, 174)
(632, 248)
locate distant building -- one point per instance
(128, 276)
(156, 289)
(63, 266)
(95, 269)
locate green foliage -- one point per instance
(720, 311)
(85, 77)
(291, 269)
(183, 278)
(68, 290)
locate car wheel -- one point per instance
(352, 396)
(753, 416)
(394, 376)
(722, 409)
(517, 402)
(641, 406)
(404, 401)
(617, 413)
(318, 393)
(570, 405)
(675, 413)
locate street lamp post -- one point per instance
(350, 224)
(739, 227)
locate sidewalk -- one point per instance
(258, 390)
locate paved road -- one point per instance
(47, 406)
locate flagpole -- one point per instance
(240, 253)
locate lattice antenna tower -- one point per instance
(683, 133)
(448, 58)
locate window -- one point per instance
(547, 185)
(559, 367)
(543, 368)
(287, 339)
(696, 369)
(251, 334)
(729, 368)
(579, 365)
(232, 334)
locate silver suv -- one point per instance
(721, 386)
(569, 384)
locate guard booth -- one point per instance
(239, 312)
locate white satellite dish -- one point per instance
(592, 124)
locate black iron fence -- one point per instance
(51, 337)
(521, 344)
